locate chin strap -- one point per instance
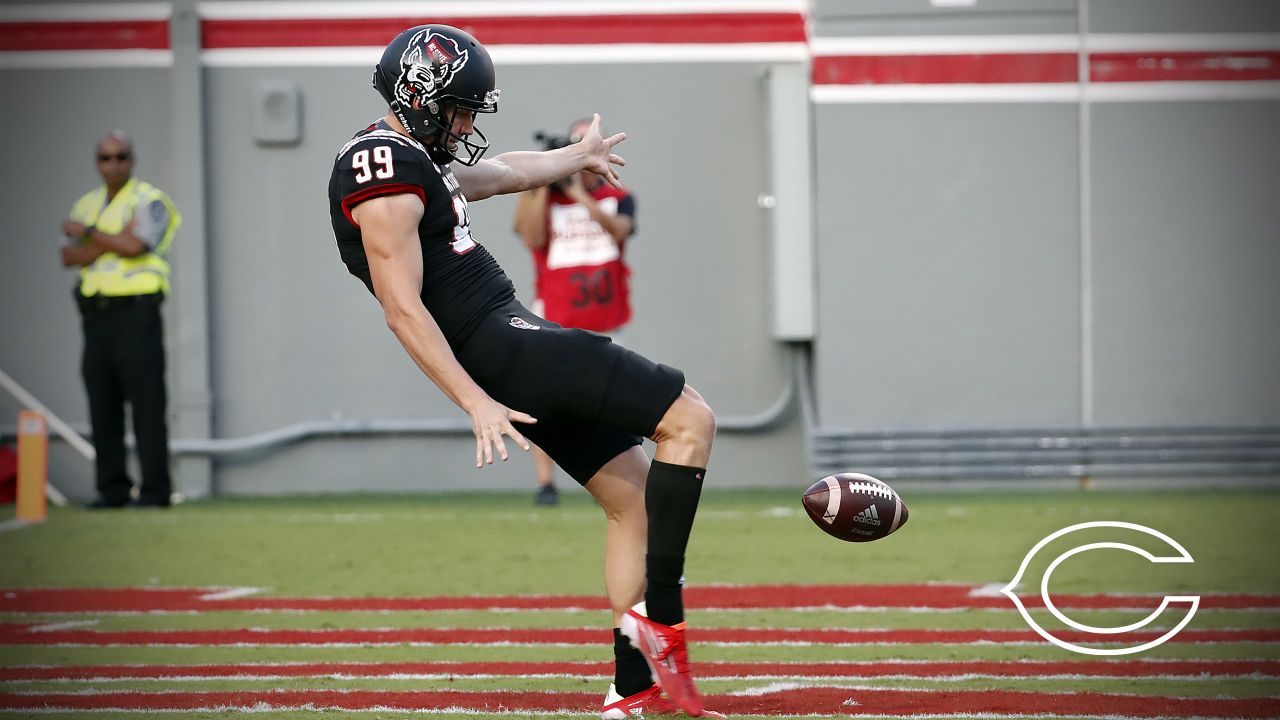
(438, 154)
(404, 119)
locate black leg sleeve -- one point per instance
(671, 500)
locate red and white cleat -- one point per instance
(644, 704)
(664, 648)
(635, 707)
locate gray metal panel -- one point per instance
(296, 338)
(1184, 16)
(1186, 220)
(790, 203)
(836, 18)
(947, 266)
(48, 164)
(191, 400)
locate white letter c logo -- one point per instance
(1182, 556)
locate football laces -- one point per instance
(867, 488)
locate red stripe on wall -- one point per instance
(85, 35)
(1184, 66)
(945, 69)
(703, 28)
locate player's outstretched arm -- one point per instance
(522, 170)
(389, 231)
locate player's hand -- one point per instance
(73, 229)
(490, 420)
(599, 152)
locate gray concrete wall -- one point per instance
(840, 18)
(1186, 263)
(1184, 16)
(947, 274)
(949, 242)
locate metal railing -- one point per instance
(936, 454)
(270, 440)
(999, 453)
(1050, 452)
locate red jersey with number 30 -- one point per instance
(581, 277)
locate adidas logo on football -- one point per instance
(870, 516)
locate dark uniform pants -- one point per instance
(593, 399)
(124, 362)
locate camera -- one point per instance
(554, 141)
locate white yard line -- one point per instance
(68, 625)
(232, 593)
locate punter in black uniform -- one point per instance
(398, 202)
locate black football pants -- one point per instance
(124, 362)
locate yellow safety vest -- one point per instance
(115, 276)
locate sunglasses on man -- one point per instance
(118, 157)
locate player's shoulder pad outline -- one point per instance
(382, 137)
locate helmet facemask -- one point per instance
(437, 119)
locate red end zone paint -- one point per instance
(807, 701)
(921, 669)
(647, 28)
(23, 635)
(941, 597)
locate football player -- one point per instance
(399, 198)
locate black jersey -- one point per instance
(461, 281)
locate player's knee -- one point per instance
(628, 517)
(703, 422)
(689, 421)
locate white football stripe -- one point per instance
(833, 499)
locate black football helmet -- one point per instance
(429, 70)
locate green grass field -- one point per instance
(380, 662)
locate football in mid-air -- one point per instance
(854, 507)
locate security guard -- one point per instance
(119, 235)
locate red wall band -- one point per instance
(696, 28)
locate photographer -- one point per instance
(577, 230)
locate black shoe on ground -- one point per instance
(547, 495)
(145, 502)
(103, 504)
